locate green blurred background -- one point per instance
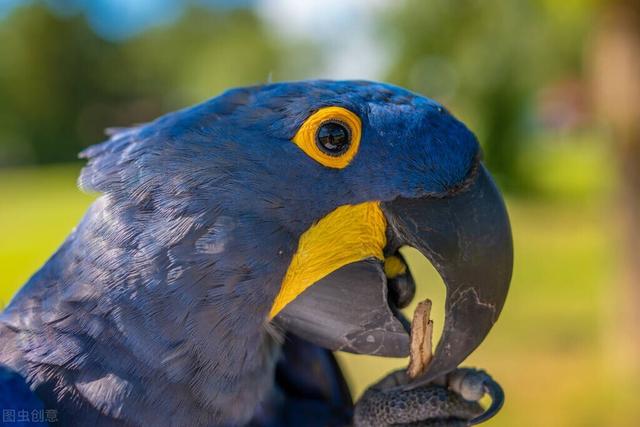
(552, 89)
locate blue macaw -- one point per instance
(236, 243)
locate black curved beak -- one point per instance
(466, 236)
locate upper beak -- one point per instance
(466, 236)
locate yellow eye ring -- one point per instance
(307, 136)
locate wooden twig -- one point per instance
(421, 337)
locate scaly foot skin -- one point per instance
(448, 402)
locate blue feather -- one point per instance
(19, 405)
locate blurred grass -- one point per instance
(38, 208)
(548, 349)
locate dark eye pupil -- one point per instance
(333, 138)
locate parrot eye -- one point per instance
(333, 138)
(330, 136)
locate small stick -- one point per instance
(421, 336)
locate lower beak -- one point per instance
(348, 311)
(466, 236)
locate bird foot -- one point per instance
(452, 400)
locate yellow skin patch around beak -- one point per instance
(349, 234)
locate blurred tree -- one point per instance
(615, 58)
(61, 85)
(486, 59)
(47, 76)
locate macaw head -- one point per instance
(290, 201)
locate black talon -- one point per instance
(495, 392)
